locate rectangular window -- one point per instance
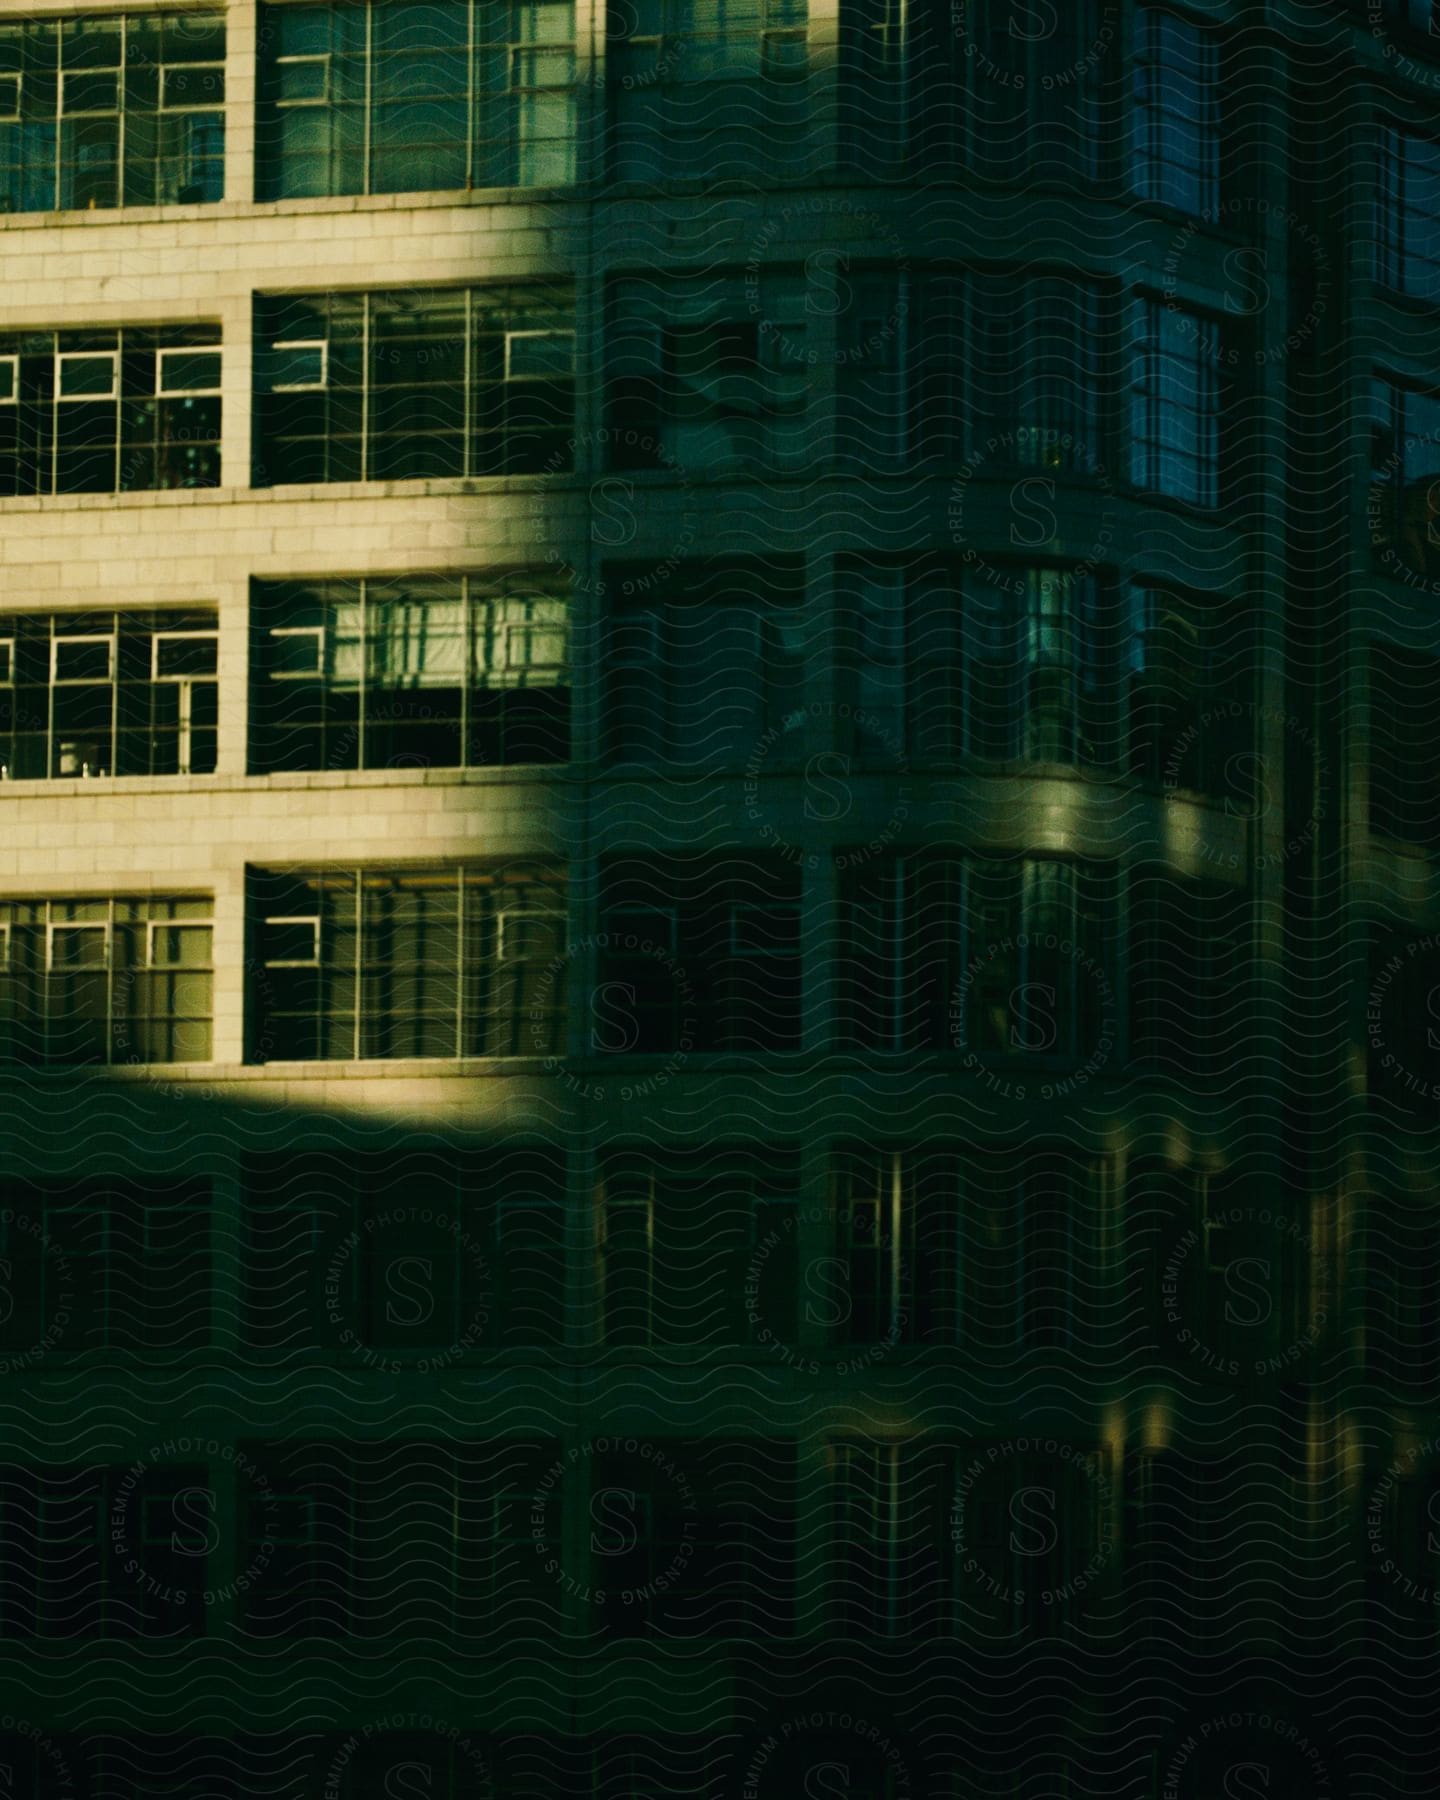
(708, 92)
(1407, 215)
(711, 1544)
(697, 380)
(391, 96)
(944, 664)
(111, 110)
(699, 1248)
(90, 981)
(325, 1231)
(98, 411)
(692, 976)
(704, 663)
(999, 87)
(1176, 113)
(377, 964)
(111, 1266)
(1404, 501)
(432, 671)
(9, 380)
(64, 1580)
(1003, 960)
(299, 366)
(1001, 368)
(332, 1525)
(1177, 396)
(98, 694)
(180, 371)
(428, 383)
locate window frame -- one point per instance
(18, 77)
(325, 59)
(322, 386)
(53, 928)
(177, 637)
(318, 633)
(193, 106)
(7, 661)
(64, 112)
(314, 920)
(58, 639)
(168, 393)
(11, 359)
(62, 357)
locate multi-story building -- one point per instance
(716, 897)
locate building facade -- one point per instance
(716, 904)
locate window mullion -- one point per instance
(364, 684)
(467, 407)
(472, 94)
(356, 1038)
(110, 980)
(365, 387)
(460, 929)
(367, 132)
(467, 664)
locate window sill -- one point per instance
(191, 211)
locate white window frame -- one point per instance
(519, 914)
(304, 387)
(93, 112)
(18, 78)
(176, 637)
(59, 680)
(154, 925)
(7, 652)
(53, 927)
(512, 630)
(317, 632)
(13, 397)
(513, 337)
(167, 393)
(67, 356)
(190, 105)
(286, 962)
(315, 56)
(4, 947)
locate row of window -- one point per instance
(1016, 960)
(918, 1538)
(385, 96)
(1000, 1252)
(702, 664)
(456, 382)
